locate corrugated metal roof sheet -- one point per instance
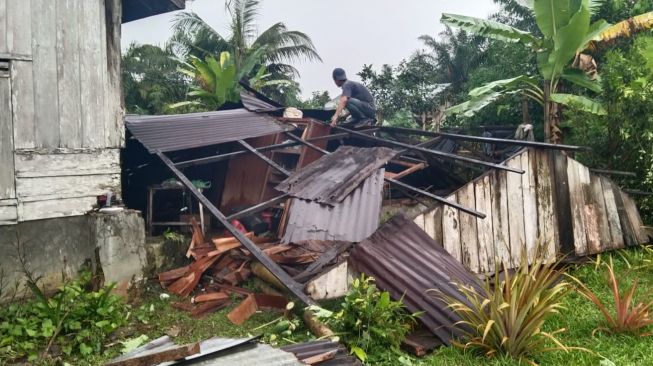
(405, 261)
(333, 177)
(250, 355)
(310, 349)
(186, 131)
(353, 219)
(254, 104)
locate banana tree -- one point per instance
(217, 81)
(566, 31)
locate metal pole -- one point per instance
(259, 207)
(278, 272)
(492, 140)
(613, 172)
(214, 159)
(413, 189)
(428, 151)
(263, 157)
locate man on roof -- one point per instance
(357, 99)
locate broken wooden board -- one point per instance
(253, 303)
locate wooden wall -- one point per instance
(65, 115)
(557, 203)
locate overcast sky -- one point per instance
(346, 33)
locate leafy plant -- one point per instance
(217, 81)
(369, 322)
(629, 316)
(75, 319)
(566, 31)
(506, 316)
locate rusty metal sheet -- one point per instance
(405, 261)
(353, 219)
(330, 179)
(185, 131)
(309, 349)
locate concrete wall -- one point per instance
(56, 249)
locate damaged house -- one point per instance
(61, 131)
(415, 209)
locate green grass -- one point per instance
(580, 319)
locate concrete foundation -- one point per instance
(56, 249)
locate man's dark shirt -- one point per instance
(352, 89)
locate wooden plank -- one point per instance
(547, 222)
(437, 224)
(500, 224)
(590, 215)
(627, 229)
(46, 92)
(577, 203)
(62, 207)
(7, 185)
(530, 203)
(601, 214)
(332, 284)
(19, 30)
(451, 230)
(3, 27)
(91, 69)
(486, 250)
(68, 73)
(51, 188)
(468, 234)
(616, 233)
(516, 212)
(634, 218)
(561, 193)
(34, 164)
(114, 129)
(22, 96)
(8, 211)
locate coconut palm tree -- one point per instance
(193, 36)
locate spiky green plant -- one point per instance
(629, 316)
(506, 315)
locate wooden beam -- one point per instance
(278, 272)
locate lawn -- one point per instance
(154, 317)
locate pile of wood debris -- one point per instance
(220, 265)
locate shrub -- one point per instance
(629, 317)
(369, 322)
(75, 319)
(505, 317)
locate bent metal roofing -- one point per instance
(406, 262)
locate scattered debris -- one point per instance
(319, 352)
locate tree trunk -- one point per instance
(526, 117)
(552, 131)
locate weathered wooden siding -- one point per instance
(65, 71)
(61, 132)
(65, 183)
(523, 210)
